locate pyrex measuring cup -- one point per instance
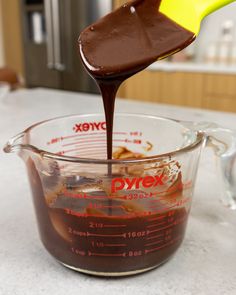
(122, 216)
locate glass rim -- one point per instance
(49, 155)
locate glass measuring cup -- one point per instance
(123, 216)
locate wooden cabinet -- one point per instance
(12, 35)
(211, 91)
(181, 88)
(220, 92)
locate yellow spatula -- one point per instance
(132, 37)
(190, 13)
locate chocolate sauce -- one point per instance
(124, 43)
(95, 242)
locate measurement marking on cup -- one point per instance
(106, 254)
(154, 237)
(163, 246)
(83, 135)
(90, 134)
(86, 142)
(87, 215)
(106, 236)
(160, 229)
(157, 218)
(71, 194)
(154, 243)
(76, 150)
(97, 147)
(156, 224)
(90, 149)
(114, 225)
(97, 244)
(158, 248)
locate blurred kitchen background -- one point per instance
(38, 44)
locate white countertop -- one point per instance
(205, 263)
(193, 67)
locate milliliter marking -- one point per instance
(157, 218)
(106, 254)
(156, 224)
(154, 237)
(160, 229)
(154, 243)
(114, 225)
(106, 236)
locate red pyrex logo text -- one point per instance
(136, 183)
(92, 126)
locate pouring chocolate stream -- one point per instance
(124, 43)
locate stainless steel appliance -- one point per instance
(54, 62)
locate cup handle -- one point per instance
(223, 142)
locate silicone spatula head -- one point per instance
(190, 13)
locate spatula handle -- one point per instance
(208, 6)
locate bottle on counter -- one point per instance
(225, 44)
(211, 54)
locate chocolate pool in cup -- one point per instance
(132, 219)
